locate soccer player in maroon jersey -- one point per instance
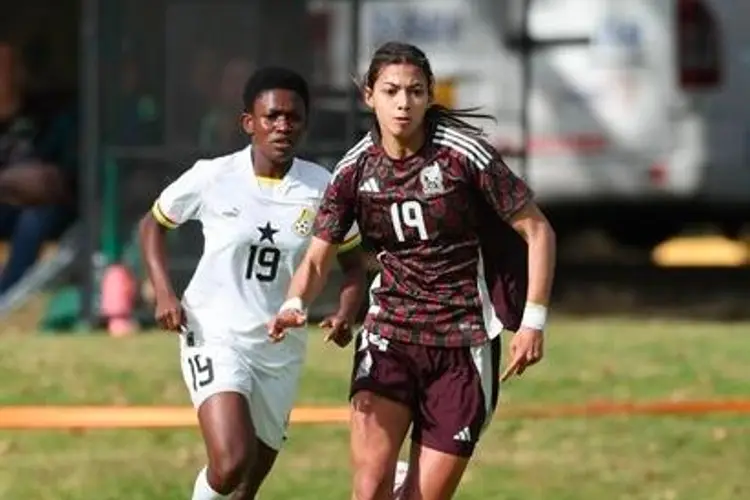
(419, 185)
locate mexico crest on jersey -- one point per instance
(431, 178)
(303, 225)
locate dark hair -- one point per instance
(404, 53)
(271, 78)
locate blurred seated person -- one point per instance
(137, 117)
(37, 171)
(220, 129)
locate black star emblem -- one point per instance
(267, 232)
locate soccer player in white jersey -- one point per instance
(256, 207)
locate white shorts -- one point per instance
(266, 374)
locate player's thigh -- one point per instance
(453, 409)
(433, 474)
(276, 374)
(271, 402)
(382, 392)
(265, 458)
(220, 384)
(227, 430)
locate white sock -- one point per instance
(402, 469)
(203, 491)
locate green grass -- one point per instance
(647, 458)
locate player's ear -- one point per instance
(367, 94)
(248, 123)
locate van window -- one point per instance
(699, 61)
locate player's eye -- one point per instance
(391, 91)
(417, 92)
(288, 116)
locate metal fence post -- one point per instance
(526, 82)
(352, 117)
(89, 144)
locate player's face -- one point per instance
(276, 123)
(399, 98)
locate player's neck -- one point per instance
(398, 149)
(263, 167)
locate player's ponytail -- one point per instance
(456, 118)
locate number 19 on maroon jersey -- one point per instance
(408, 214)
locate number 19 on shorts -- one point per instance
(408, 215)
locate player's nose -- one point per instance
(283, 126)
(402, 100)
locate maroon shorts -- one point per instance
(452, 392)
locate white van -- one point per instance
(638, 110)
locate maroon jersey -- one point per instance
(423, 216)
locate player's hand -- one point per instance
(169, 314)
(526, 349)
(289, 318)
(338, 330)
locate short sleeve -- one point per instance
(335, 218)
(182, 199)
(504, 191)
(351, 240)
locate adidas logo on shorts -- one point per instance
(463, 435)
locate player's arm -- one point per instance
(352, 261)
(311, 274)
(152, 237)
(333, 220)
(512, 199)
(534, 227)
(179, 202)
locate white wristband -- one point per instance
(534, 316)
(292, 304)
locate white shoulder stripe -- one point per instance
(352, 155)
(355, 151)
(469, 141)
(480, 162)
(467, 146)
(357, 148)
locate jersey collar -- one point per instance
(285, 183)
(424, 152)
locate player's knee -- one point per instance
(229, 468)
(369, 487)
(372, 480)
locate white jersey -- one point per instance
(255, 236)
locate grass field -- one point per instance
(650, 458)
